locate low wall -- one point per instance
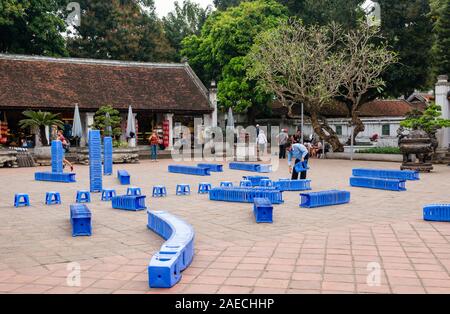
(368, 157)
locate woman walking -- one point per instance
(154, 142)
(65, 145)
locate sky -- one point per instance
(165, 6)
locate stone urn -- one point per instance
(43, 155)
(420, 144)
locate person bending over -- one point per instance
(300, 153)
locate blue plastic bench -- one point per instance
(324, 198)
(196, 171)
(129, 202)
(175, 255)
(378, 183)
(437, 212)
(263, 210)
(387, 174)
(245, 195)
(293, 185)
(63, 177)
(212, 167)
(124, 177)
(80, 218)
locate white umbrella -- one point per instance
(131, 127)
(77, 129)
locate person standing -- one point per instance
(66, 146)
(298, 137)
(300, 153)
(282, 141)
(154, 142)
(262, 142)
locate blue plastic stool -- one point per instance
(246, 183)
(226, 184)
(108, 194)
(183, 189)
(204, 188)
(159, 191)
(266, 183)
(21, 200)
(52, 198)
(134, 191)
(83, 197)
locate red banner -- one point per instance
(166, 131)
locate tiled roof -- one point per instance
(38, 82)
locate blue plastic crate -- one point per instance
(437, 212)
(80, 218)
(387, 174)
(108, 156)
(197, 171)
(324, 198)
(293, 185)
(129, 202)
(64, 177)
(175, 255)
(250, 167)
(212, 167)
(124, 177)
(245, 195)
(378, 183)
(263, 210)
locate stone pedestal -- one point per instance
(8, 158)
(120, 156)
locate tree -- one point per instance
(39, 120)
(102, 123)
(185, 20)
(429, 121)
(226, 38)
(365, 62)
(300, 64)
(441, 55)
(223, 5)
(31, 27)
(120, 30)
(407, 27)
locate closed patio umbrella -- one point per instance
(77, 129)
(131, 128)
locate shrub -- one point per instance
(381, 150)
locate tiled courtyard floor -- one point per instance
(325, 250)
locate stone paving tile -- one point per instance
(322, 251)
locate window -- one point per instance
(339, 129)
(386, 130)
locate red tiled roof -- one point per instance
(37, 82)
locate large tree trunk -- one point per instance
(331, 137)
(43, 136)
(359, 127)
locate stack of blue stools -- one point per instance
(324, 198)
(57, 174)
(263, 210)
(437, 212)
(175, 255)
(108, 156)
(245, 195)
(129, 202)
(378, 183)
(159, 191)
(196, 171)
(293, 185)
(80, 218)
(95, 161)
(250, 167)
(212, 167)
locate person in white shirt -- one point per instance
(299, 153)
(262, 142)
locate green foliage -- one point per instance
(185, 20)
(120, 144)
(407, 26)
(39, 120)
(223, 5)
(441, 54)
(31, 27)
(101, 122)
(219, 52)
(430, 121)
(120, 30)
(381, 150)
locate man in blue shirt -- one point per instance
(301, 154)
